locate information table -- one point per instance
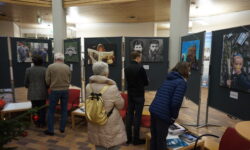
(243, 128)
(200, 144)
(15, 107)
(77, 112)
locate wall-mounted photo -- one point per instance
(25, 50)
(235, 62)
(71, 51)
(101, 52)
(151, 49)
(190, 52)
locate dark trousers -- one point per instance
(134, 113)
(159, 132)
(41, 113)
(53, 101)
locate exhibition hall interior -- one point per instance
(75, 47)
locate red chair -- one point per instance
(123, 111)
(145, 120)
(230, 140)
(73, 100)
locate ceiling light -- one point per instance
(39, 19)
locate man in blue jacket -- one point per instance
(137, 79)
(165, 107)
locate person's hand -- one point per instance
(229, 83)
(172, 120)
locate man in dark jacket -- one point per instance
(165, 107)
(137, 79)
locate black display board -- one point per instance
(219, 96)
(156, 69)
(4, 64)
(113, 48)
(72, 53)
(19, 67)
(194, 81)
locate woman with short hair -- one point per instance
(37, 90)
(112, 134)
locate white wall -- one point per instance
(222, 21)
(215, 22)
(6, 28)
(16, 30)
(115, 29)
(10, 29)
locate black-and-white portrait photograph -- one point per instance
(235, 62)
(151, 49)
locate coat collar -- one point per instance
(101, 79)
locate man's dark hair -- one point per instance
(154, 42)
(37, 60)
(134, 55)
(137, 42)
(182, 68)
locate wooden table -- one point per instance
(15, 107)
(243, 128)
(189, 147)
(77, 112)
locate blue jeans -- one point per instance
(53, 98)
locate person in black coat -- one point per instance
(165, 107)
(137, 79)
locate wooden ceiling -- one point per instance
(113, 11)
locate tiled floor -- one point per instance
(72, 139)
(76, 139)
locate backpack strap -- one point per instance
(103, 90)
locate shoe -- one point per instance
(48, 133)
(139, 141)
(62, 131)
(128, 142)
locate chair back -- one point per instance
(231, 140)
(123, 111)
(74, 98)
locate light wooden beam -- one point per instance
(41, 3)
(69, 3)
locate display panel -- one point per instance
(235, 62)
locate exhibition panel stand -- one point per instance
(6, 77)
(229, 75)
(22, 50)
(154, 52)
(106, 49)
(72, 57)
(192, 47)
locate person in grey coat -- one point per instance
(37, 89)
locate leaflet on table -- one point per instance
(175, 142)
(176, 129)
(188, 137)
